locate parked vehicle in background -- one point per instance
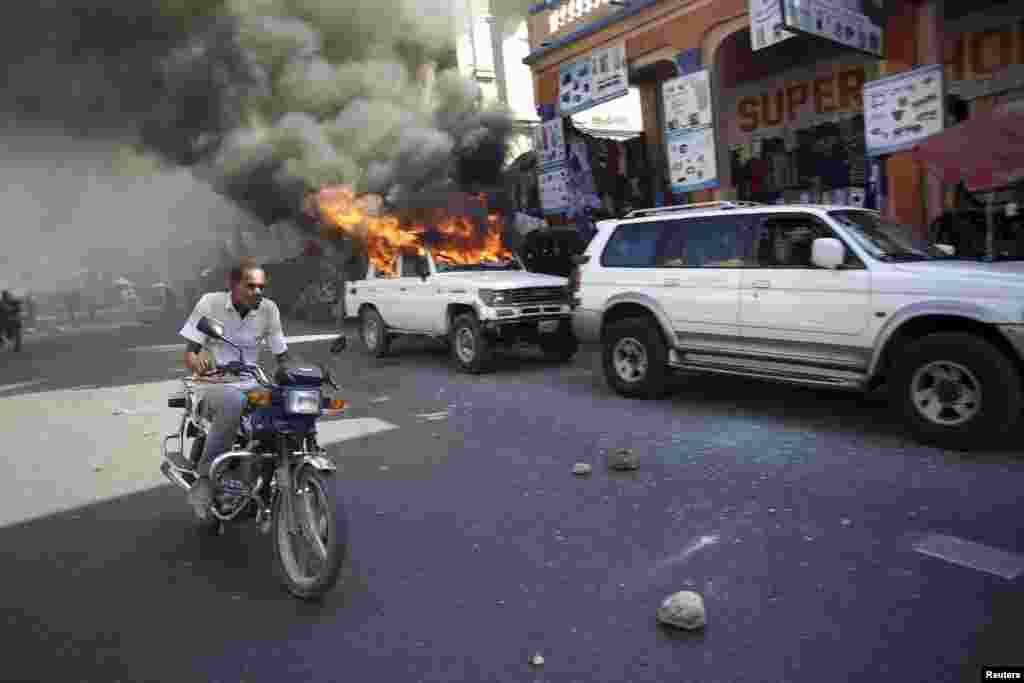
(475, 307)
(822, 296)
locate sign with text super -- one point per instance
(601, 76)
(902, 110)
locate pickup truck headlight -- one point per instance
(490, 297)
(302, 402)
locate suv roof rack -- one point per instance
(723, 205)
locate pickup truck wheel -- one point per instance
(562, 345)
(472, 351)
(635, 359)
(374, 333)
(956, 390)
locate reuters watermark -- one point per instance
(1002, 673)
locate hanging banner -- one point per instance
(902, 110)
(549, 143)
(689, 132)
(553, 186)
(856, 24)
(766, 24)
(601, 76)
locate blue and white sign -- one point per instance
(902, 110)
(601, 76)
(553, 187)
(689, 133)
(549, 143)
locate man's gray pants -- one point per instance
(223, 405)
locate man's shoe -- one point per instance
(200, 496)
(177, 458)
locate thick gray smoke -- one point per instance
(281, 98)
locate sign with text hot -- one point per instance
(601, 76)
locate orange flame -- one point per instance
(385, 236)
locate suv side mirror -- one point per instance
(422, 268)
(211, 327)
(827, 252)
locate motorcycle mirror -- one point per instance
(339, 344)
(211, 327)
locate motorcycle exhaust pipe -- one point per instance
(174, 476)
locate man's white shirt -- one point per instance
(261, 325)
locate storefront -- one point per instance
(787, 119)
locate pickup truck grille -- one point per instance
(535, 295)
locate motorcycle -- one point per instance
(276, 473)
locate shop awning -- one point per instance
(609, 133)
(986, 151)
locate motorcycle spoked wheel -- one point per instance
(310, 560)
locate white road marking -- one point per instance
(433, 416)
(19, 385)
(337, 431)
(972, 555)
(686, 552)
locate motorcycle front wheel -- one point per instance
(310, 558)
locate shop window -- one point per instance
(709, 242)
(787, 242)
(634, 245)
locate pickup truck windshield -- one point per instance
(447, 266)
(885, 241)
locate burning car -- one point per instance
(448, 277)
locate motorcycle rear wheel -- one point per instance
(310, 560)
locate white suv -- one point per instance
(815, 295)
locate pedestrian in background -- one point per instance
(11, 319)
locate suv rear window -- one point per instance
(634, 245)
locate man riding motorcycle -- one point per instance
(248, 320)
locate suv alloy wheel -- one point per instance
(956, 390)
(635, 358)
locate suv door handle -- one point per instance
(403, 289)
(672, 283)
(761, 284)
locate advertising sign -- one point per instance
(857, 24)
(601, 76)
(549, 142)
(902, 110)
(689, 132)
(553, 185)
(766, 24)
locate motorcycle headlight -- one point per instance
(302, 402)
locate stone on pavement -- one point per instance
(684, 609)
(623, 459)
(581, 468)
(537, 660)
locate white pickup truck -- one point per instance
(473, 307)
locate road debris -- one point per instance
(581, 468)
(684, 609)
(440, 415)
(537, 660)
(380, 399)
(623, 460)
(845, 522)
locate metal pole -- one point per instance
(990, 226)
(499, 56)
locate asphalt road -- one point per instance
(794, 513)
